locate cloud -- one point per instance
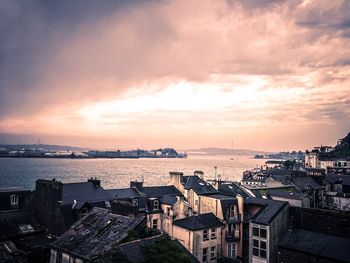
(59, 58)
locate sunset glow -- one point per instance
(185, 74)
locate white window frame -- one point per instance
(260, 239)
(14, 199)
(155, 225)
(232, 250)
(212, 252)
(205, 234)
(205, 254)
(213, 233)
(155, 205)
(232, 212)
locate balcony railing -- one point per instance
(232, 235)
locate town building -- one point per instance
(201, 235)
(93, 235)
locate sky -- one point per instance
(265, 75)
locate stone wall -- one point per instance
(328, 222)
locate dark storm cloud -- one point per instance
(28, 32)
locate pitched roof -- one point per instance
(198, 222)
(198, 185)
(343, 179)
(123, 193)
(168, 200)
(304, 182)
(10, 222)
(269, 209)
(286, 194)
(84, 191)
(232, 188)
(317, 244)
(95, 232)
(160, 191)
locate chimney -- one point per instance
(200, 174)
(95, 181)
(175, 179)
(136, 184)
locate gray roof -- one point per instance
(168, 200)
(233, 189)
(123, 193)
(96, 232)
(198, 222)
(305, 182)
(84, 191)
(326, 246)
(342, 179)
(160, 191)
(286, 194)
(198, 185)
(269, 209)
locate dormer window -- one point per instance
(14, 200)
(155, 205)
(135, 201)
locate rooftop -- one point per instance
(95, 232)
(13, 189)
(286, 194)
(84, 191)
(330, 247)
(169, 200)
(198, 185)
(270, 209)
(232, 188)
(198, 222)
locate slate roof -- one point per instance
(123, 193)
(269, 209)
(303, 182)
(133, 250)
(198, 185)
(232, 189)
(168, 200)
(286, 194)
(326, 246)
(343, 179)
(160, 191)
(11, 220)
(198, 222)
(13, 190)
(95, 232)
(84, 191)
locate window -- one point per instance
(212, 253)
(205, 234)
(59, 257)
(107, 204)
(232, 212)
(259, 232)
(205, 255)
(232, 248)
(14, 200)
(155, 205)
(259, 241)
(168, 211)
(135, 202)
(213, 233)
(155, 223)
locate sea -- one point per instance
(117, 173)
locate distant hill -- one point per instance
(342, 150)
(46, 147)
(224, 151)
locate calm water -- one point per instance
(118, 172)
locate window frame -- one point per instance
(155, 204)
(230, 249)
(213, 233)
(260, 241)
(14, 198)
(205, 234)
(205, 254)
(212, 252)
(155, 225)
